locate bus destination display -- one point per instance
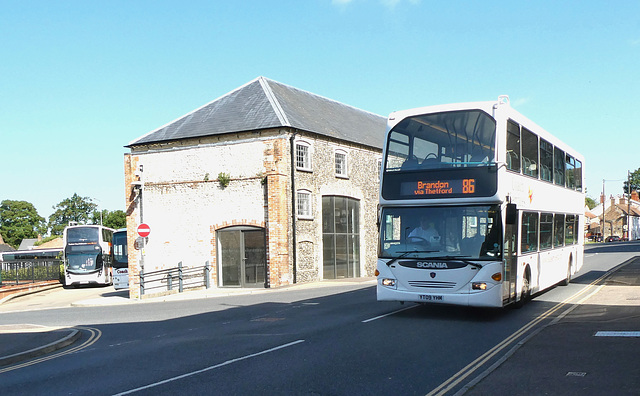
(439, 188)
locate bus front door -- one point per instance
(509, 294)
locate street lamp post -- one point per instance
(628, 205)
(603, 200)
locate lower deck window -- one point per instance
(529, 232)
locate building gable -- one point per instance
(263, 104)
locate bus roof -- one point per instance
(491, 108)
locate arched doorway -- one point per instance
(242, 256)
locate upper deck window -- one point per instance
(442, 140)
(578, 171)
(558, 166)
(82, 235)
(546, 160)
(570, 172)
(529, 153)
(513, 146)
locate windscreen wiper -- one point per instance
(404, 254)
(460, 258)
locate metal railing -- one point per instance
(180, 277)
(29, 271)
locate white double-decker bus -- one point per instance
(88, 255)
(479, 206)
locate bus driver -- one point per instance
(426, 232)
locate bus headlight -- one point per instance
(478, 286)
(388, 282)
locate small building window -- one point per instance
(303, 203)
(303, 156)
(341, 164)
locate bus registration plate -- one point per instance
(430, 297)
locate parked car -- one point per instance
(595, 237)
(612, 238)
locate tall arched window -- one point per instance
(340, 237)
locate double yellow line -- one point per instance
(94, 335)
(483, 359)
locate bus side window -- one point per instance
(570, 172)
(529, 153)
(513, 146)
(529, 238)
(558, 166)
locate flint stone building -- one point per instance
(270, 184)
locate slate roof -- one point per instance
(56, 243)
(264, 103)
(27, 244)
(6, 248)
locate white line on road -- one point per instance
(618, 334)
(389, 314)
(209, 368)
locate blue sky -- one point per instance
(81, 79)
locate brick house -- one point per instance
(618, 213)
(270, 184)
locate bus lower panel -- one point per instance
(79, 280)
(488, 298)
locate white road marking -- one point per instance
(209, 368)
(389, 314)
(618, 334)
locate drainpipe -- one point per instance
(293, 204)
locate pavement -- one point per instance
(592, 349)
(25, 342)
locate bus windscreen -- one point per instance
(83, 235)
(120, 258)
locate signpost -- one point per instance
(144, 230)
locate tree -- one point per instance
(19, 220)
(590, 202)
(77, 209)
(635, 182)
(116, 219)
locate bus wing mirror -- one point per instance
(512, 214)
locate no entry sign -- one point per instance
(144, 230)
